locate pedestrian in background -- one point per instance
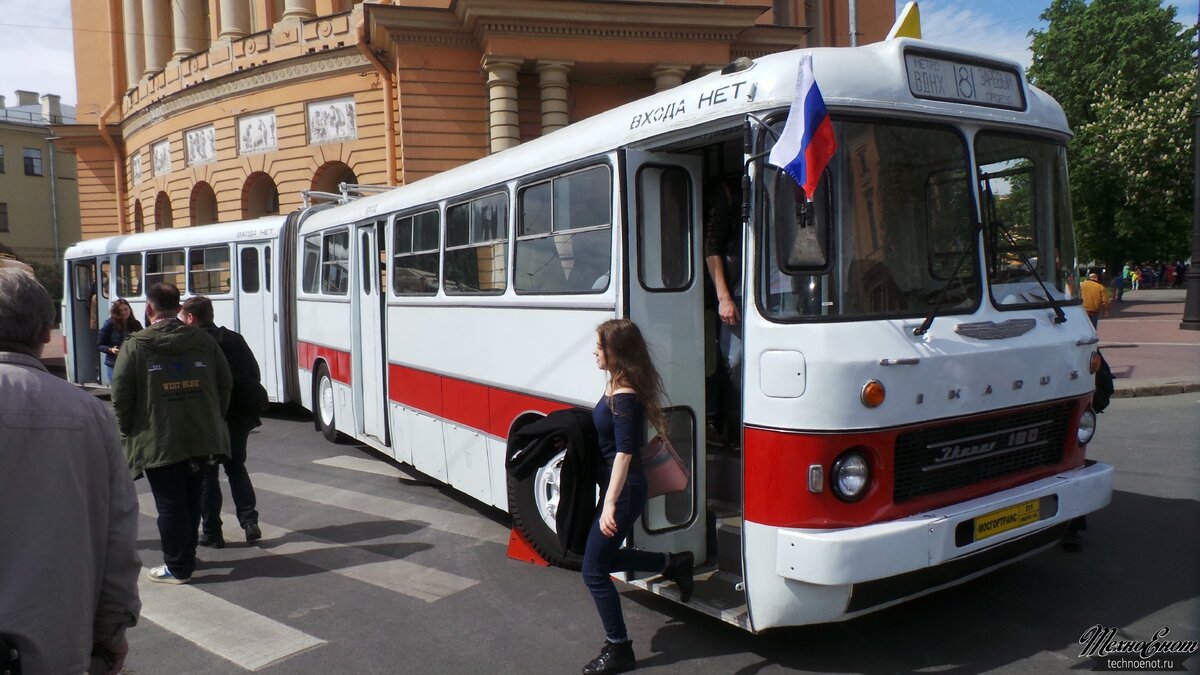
(632, 396)
(68, 509)
(170, 390)
(1095, 298)
(247, 399)
(119, 325)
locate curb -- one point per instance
(1156, 388)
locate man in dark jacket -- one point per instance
(241, 417)
(170, 390)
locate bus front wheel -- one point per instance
(323, 406)
(533, 503)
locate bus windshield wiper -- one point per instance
(954, 278)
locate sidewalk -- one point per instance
(1140, 339)
(1148, 353)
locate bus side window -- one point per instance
(335, 263)
(104, 279)
(477, 245)
(209, 271)
(129, 275)
(564, 239)
(312, 264)
(165, 267)
(248, 270)
(415, 254)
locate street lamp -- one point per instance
(54, 196)
(1191, 304)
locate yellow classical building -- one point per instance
(39, 202)
(198, 111)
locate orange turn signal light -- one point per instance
(1094, 363)
(873, 394)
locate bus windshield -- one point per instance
(888, 234)
(1026, 210)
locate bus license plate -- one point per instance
(1007, 519)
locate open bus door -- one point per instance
(666, 299)
(367, 352)
(257, 320)
(86, 309)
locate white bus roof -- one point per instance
(221, 233)
(874, 76)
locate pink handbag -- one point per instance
(665, 471)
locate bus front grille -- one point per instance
(949, 456)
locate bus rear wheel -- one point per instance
(533, 503)
(323, 404)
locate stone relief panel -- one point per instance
(201, 145)
(332, 121)
(160, 154)
(256, 133)
(135, 168)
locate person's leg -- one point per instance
(240, 487)
(1094, 317)
(210, 504)
(170, 486)
(195, 490)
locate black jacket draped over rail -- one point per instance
(531, 446)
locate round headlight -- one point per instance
(1087, 426)
(850, 476)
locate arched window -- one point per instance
(163, 219)
(203, 204)
(330, 175)
(139, 225)
(260, 197)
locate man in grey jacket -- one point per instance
(68, 509)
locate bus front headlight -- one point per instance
(850, 476)
(1087, 426)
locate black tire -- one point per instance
(527, 515)
(323, 405)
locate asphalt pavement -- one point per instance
(1149, 354)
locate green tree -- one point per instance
(1124, 74)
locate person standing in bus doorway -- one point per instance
(723, 259)
(170, 390)
(68, 536)
(119, 325)
(246, 401)
(631, 397)
(1095, 298)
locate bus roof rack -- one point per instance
(313, 196)
(354, 190)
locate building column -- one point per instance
(667, 76)
(298, 10)
(188, 22)
(156, 22)
(553, 83)
(503, 122)
(135, 55)
(235, 19)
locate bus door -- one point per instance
(367, 343)
(257, 320)
(87, 311)
(666, 300)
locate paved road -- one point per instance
(363, 570)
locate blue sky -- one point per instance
(35, 36)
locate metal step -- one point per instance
(718, 594)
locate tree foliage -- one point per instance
(1124, 73)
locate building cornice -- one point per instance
(293, 71)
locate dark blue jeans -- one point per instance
(603, 555)
(240, 487)
(176, 490)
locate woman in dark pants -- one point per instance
(631, 397)
(120, 325)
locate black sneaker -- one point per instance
(615, 657)
(681, 569)
(252, 532)
(211, 541)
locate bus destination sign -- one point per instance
(942, 79)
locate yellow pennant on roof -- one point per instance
(908, 23)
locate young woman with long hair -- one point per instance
(119, 325)
(632, 397)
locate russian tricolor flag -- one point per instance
(807, 143)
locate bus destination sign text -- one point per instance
(941, 79)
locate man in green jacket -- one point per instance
(170, 390)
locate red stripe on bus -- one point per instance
(469, 404)
(776, 465)
(336, 360)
